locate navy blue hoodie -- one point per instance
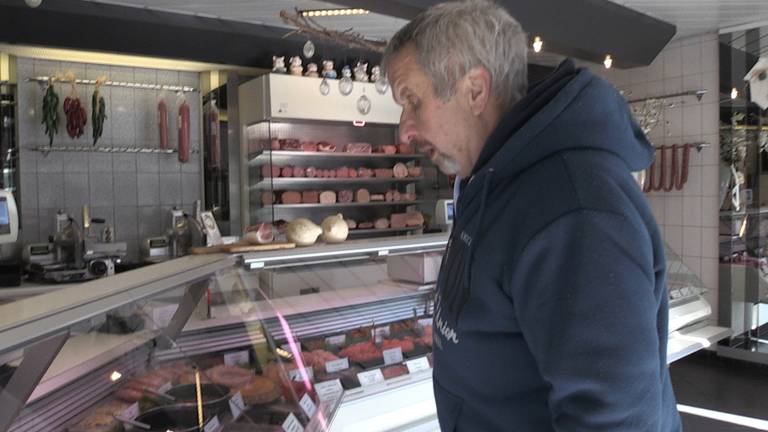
(551, 311)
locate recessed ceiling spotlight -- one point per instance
(734, 93)
(537, 44)
(608, 62)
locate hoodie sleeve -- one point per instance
(585, 295)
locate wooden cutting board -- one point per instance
(240, 248)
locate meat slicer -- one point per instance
(73, 254)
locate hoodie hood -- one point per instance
(572, 109)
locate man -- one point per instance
(551, 312)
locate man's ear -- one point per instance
(478, 81)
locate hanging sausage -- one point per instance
(212, 130)
(183, 125)
(162, 122)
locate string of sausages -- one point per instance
(678, 169)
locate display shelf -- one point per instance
(266, 155)
(341, 205)
(296, 181)
(382, 231)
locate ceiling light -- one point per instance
(115, 376)
(333, 12)
(734, 93)
(537, 44)
(608, 62)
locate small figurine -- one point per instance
(296, 68)
(346, 72)
(345, 83)
(375, 73)
(278, 64)
(361, 72)
(312, 71)
(328, 71)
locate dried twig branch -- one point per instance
(347, 37)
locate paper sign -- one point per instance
(295, 374)
(329, 390)
(236, 405)
(337, 365)
(393, 356)
(131, 412)
(417, 365)
(213, 425)
(238, 358)
(379, 333)
(308, 405)
(161, 316)
(292, 424)
(336, 340)
(370, 377)
(165, 387)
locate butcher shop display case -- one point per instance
(319, 338)
(310, 154)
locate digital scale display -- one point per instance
(5, 218)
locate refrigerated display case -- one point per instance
(298, 143)
(327, 337)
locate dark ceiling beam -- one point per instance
(585, 29)
(117, 29)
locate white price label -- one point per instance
(238, 358)
(236, 405)
(336, 340)
(296, 374)
(165, 387)
(308, 405)
(131, 412)
(417, 365)
(337, 365)
(370, 377)
(329, 390)
(213, 425)
(379, 333)
(425, 322)
(393, 356)
(292, 424)
(161, 316)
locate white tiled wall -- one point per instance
(133, 192)
(688, 218)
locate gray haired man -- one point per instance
(551, 310)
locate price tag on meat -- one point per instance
(238, 358)
(161, 316)
(370, 377)
(336, 340)
(308, 405)
(296, 374)
(393, 356)
(425, 322)
(213, 425)
(131, 412)
(417, 365)
(292, 424)
(329, 390)
(379, 333)
(337, 365)
(165, 387)
(236, 405)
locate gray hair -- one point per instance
(452, 38)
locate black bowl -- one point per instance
(172, 417)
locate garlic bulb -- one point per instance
(303, 232)
(335, 229)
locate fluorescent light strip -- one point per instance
(333, 12)
(725, 417)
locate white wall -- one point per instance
(688, 218)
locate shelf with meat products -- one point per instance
(308, 157)
(256, 349)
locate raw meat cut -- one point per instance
(328, 197)
(299, 172)
(362, 196)
(366, 148)
(326, 147)
(405, 149)
(414, 171)
(274, 144)
(308, 146)
(310, 197)
(291, 197)
(397, 220)
(381, 223)
(270, 171)
(351, 224)
(384, 172)
(365, 225)
(267, 198)
(387, 149)
(346, 196)
(364, 172)
(311, 172)
(286, 172)
(414, 219)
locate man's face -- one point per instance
(438, 128)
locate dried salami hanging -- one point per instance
(683, 177)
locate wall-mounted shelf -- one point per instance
(96, 149)
(698, 93)
(341, 205)
(265, 156)
(382, 231)
(140, 86)
(277, 183)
